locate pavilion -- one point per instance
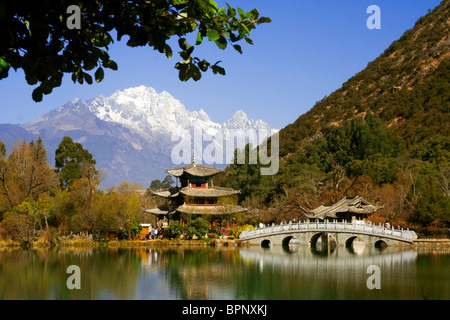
(348, 208)
(195, 195)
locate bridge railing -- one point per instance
(356, 226)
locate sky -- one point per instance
(308, 51)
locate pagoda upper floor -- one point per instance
(194, 175)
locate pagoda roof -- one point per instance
(210, 209)
(166, 193)
(356, 205)
(197, 170)
(208, 192)
(211, 192)
(161, 210)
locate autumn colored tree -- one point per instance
(25, 173)
(118, 209)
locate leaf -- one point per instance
(37, 94)
(87, 77)
(182, 67)
(238, 48)
(199, 38)
(203, 65)
(241, 13)
(216, 69)
(194, 72)
(182, 42)
(221, 43)
(255, 14)
(31, 78)
(110, 64)
(213, 35)
(99, 74)
(168, 51)
(264, 20)
(231, 12)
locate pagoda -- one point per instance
(195, 195)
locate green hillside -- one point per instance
(383, 135)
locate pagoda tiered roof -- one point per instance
(162, 210)
(211, 192)
(210, 209)
(167, 193)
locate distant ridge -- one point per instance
(128, 133)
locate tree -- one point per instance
(198, 227)
(174, 230)
(37, 36)
(167, 182)
(156, 185)
(74, 162)
(25, 173)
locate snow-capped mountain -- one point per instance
(130, 133)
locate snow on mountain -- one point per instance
(129, 133)
(143, 109)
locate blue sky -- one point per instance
(308, 51)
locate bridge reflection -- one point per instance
(322, 261)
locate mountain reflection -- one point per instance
(176, 272)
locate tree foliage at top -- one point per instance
(36, 37)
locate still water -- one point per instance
(226, 273)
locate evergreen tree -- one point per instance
(73, 162)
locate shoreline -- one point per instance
(66, 243)
(418, 243)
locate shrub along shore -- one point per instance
(42, 243)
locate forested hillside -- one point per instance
(383, 135)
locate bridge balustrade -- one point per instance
(330, 226)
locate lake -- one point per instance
(226, 273)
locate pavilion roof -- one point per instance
(210, 209)
(356, 205)
(166, 193)
(161, 210)
(208, 192)
(197, 170)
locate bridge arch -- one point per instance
(289, 240)
(324, 237)
(380, 243)
(266, 243)
(353, 240)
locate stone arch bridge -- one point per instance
(339, 233)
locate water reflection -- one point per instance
(292, 272)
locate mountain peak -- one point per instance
(240, 115)
(129, 133)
